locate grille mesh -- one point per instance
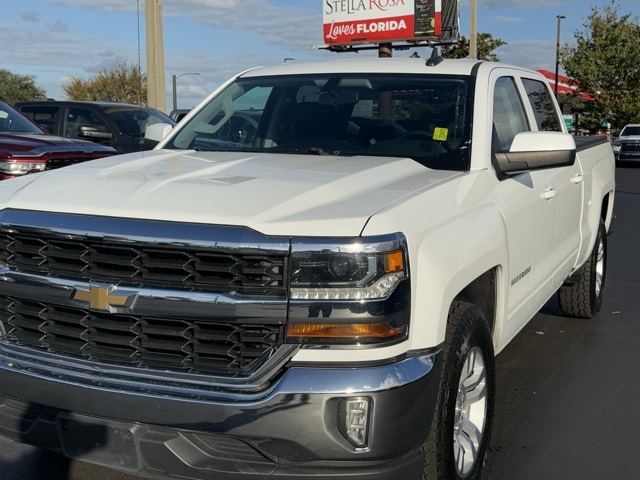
(183, 346)
(140, 265)
(630, 147)
(54, 163)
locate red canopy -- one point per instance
(563, 83)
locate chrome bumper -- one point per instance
(288, 431)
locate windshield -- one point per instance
(630, 130)
(133, 121)
(11, 121)
(426, 118)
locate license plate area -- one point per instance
(102, 442)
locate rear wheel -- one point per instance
(459, 434)
(583, 298)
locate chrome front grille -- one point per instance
(630, 147)
(98, 260)
(54, 163)
(193, 299)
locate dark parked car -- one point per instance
(121, 126)
(26, 148)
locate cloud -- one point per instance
(59, 26)
(57, 55)
(31, 17)
(532, 54)
(133, 5)
(207, 3)
(508, 19)
(108, 62)
(103, 5)
(302, 29)
(503, 4)
(267, 27)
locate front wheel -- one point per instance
(459, 434)
(583, 298)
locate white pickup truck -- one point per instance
(308, 277)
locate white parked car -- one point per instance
(309, 276)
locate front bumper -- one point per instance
(627, 152)
(289, 431)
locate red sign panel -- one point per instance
(375, 21)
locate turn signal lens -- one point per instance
(394, 262)
(362, 332)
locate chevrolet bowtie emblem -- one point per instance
(99, 298)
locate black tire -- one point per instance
(459, 435)
(582, 298)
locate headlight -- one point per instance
(21, 168)
(346, 276)
(358, 288)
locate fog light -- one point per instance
(354, 421)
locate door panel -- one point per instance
(568, 182)
(530, 215)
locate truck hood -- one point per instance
(36, 144)
(274, 194)
(629, 138)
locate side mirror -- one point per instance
(92, 133)
(157, 132)
(536, 151)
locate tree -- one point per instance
(485, 46)
(119, 84)
(604, 64)
(15, 87)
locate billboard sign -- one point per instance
(349, 22)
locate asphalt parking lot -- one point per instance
(567, 391)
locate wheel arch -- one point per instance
(465, 258)
(606, 210)
(482, 292)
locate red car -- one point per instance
(26, 148)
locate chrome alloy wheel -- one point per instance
(471, 412)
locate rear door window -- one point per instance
(45, 116)
(542, 105)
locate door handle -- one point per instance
(577, 179)
(549, 193)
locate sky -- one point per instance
(53, 40)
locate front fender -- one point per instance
(457, 233)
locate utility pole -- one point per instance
(156, 90)
(473, 34)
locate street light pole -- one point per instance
(175, 82)
(559, 17)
